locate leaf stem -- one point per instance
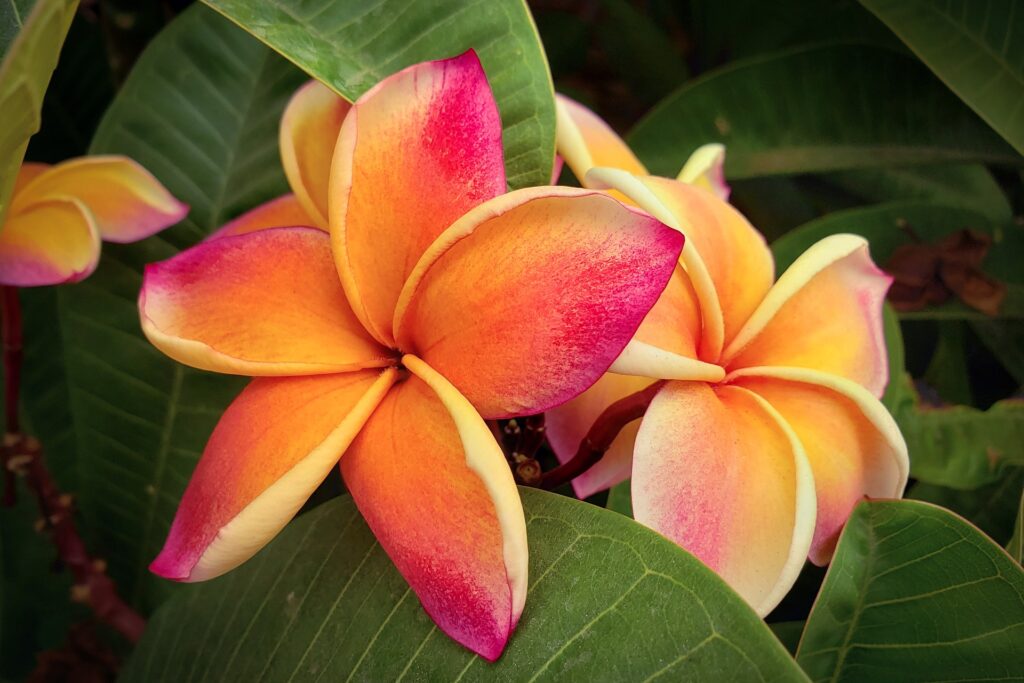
(601, 435)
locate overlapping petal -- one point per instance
(126, 202)
(719, 472)
(852, 443)
(567, 425)
(435, 489)
(527, 300)
(47, 243)
(706, 169)
(283, 212)
(824, 313)
(263, 303)
(415, 153)
(309, 131)
(584, 140)
(272, 447)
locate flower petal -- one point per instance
(263, 303)
(526, 301)
(705, 169)
(436, 490)
(824, 313)
(309, 130)
(126, 201)
(718, 471)
(566, 426)
(272, 447)
(283, 212)
(586, 141)
(854, 446)
(48, 242)
(415, 152)
(27, 173)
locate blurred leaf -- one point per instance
(1016, 545)
(947, 372)
(788, 633)
(915, 593)
(1005, 339)
(639, 51)
(12, 17)
(608, 600)
(970, 186)
(25, 72)
(566, 39)
(200, 111)
(80, 91)
(895, 390)
(352, 46)
(884, 109)
(620, 498)
(975, 46)
(992, 508)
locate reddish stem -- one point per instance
(23, 454)
(601, 435)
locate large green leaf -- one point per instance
(992, 508)
(1016, 545)
(28, 63)
(975, 46)
(200, 110)
(915, 593)
(351, 46)
(883, 109)
(608, 600)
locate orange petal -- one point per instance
(48, 242)
(853, 444)
(283, 212)
(127, 203)
(566, 426)
(705, 169)
(309, 131)
(435, 489)
(824, 313)
(586, 141)
(527, 300)
(415, 152)
(27, 173)
(718, 471)
(263, 303)
(273, 446)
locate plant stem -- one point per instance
(601, 435)
(23, 454)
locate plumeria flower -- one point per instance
(769, 429)
(59, 214)
(434, 301)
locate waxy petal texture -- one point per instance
(283, 212)
(528, 299)
(584, 140)
(706, 169)
(569, 423)
(309, 131)
(824, 313)
(719, 472)
(126, 202)
(852, 443)
(415, 153)
(435, 489)
(47, 243)
(273, 446)
(263, 303)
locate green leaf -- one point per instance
(883, 109)
(639, 51)
(1005, 339)
(1016, 545)
(620, 498)
(25, 71)
(992, 508)
(975, 46)
(915, 593)
(608, 600)
(200, 110)
(788, 633)
(351, 46)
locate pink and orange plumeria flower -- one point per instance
(59, 215)
(769, 430)
(433, 301)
